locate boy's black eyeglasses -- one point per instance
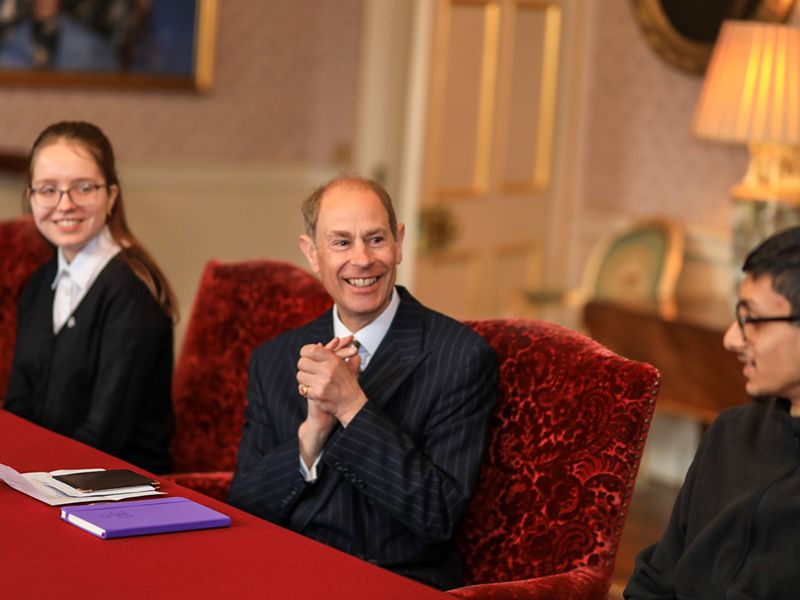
(743, 320)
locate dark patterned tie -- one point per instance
(361, 353)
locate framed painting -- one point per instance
(108, 43)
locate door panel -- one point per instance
(530, 111)
(489, 152)
(454, 271)
(466, 90)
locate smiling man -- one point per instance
(371, 446)
(735, 527)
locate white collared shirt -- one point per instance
(370, 337)
(73, 280)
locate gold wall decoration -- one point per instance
(684, 38)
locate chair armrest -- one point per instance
(549, 297)
(545, 296)
(213, 483)
(581, 583)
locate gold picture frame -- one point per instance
(666, 25)
(173, 50)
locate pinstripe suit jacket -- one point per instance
(393, 486)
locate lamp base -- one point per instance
(755, 220)
(773, 173)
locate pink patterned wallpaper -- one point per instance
(284, 89)
(638, 155)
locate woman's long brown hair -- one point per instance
(91, 138)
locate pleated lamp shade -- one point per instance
(751, 95)
(751, 92)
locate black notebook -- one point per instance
(94, 481)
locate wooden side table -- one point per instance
(699, 378)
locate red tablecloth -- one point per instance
(42, 556)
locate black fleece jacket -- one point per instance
(735, 527)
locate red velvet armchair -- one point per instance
(565, 443)
(238, 306)
(22, 250)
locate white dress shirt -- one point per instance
(369, 338)
(73, 280)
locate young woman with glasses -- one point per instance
(93, 355)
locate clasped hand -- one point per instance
(328, 377)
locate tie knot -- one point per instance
(362, 352)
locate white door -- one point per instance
(498, 138)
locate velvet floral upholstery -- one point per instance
(565, 443)
(22, 250)
(238, 306)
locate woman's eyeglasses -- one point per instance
(82, 193)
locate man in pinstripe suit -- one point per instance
(373, 448)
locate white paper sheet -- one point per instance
(44, 488)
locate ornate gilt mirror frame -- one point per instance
(683, 32)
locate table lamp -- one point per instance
(751, 95)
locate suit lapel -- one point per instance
(399, 354)
(320, 330)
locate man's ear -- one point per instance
(401, 232)
(309, 250)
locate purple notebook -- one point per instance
(142, 517)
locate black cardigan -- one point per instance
(735, 528)
(105, 378)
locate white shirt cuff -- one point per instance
(310, 475)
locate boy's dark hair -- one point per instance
(779, 257)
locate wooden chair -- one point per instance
(22, 251)
(566, 439)
(238, 306)
(639, 262)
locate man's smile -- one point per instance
(362, 282)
